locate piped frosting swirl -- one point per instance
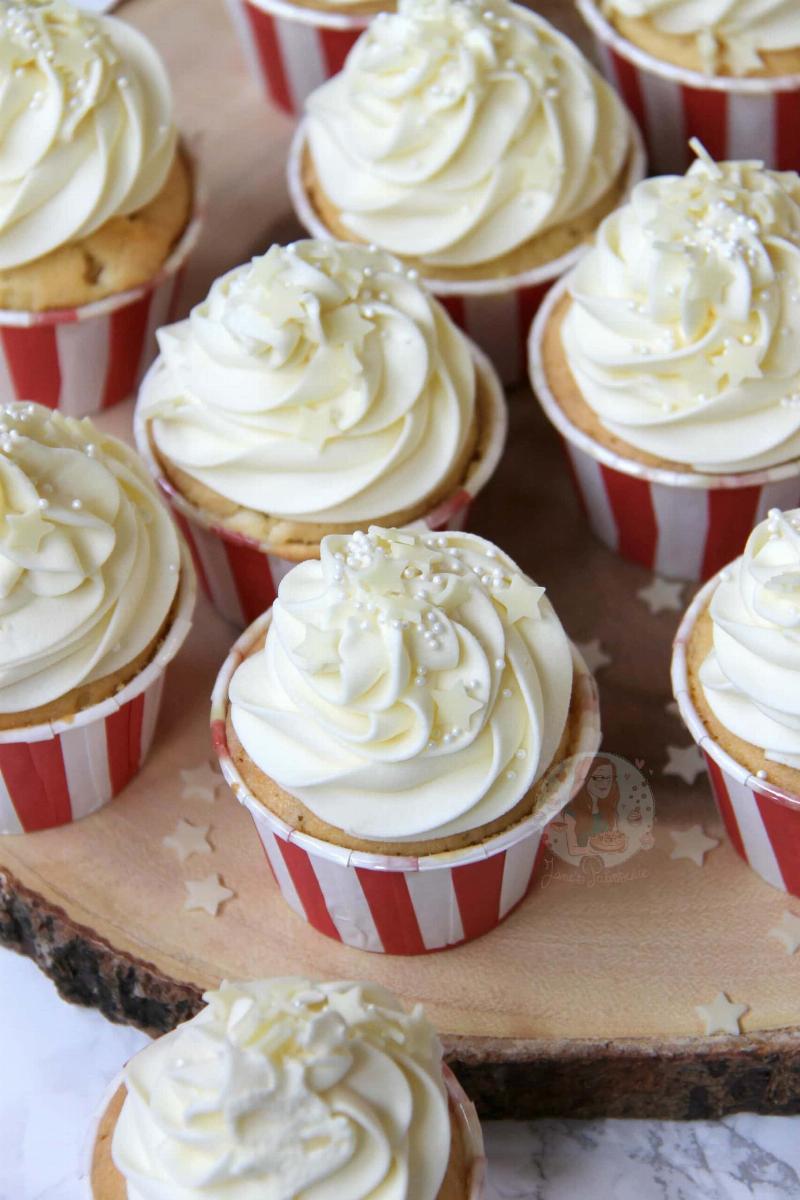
(683, 334)
(291, 1090)
(89, 557)
(751, 678)
(319, 382)
(87, 128)
(455, 133)
(411, 686)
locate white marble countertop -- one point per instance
(57, 1060)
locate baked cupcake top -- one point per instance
(89, 557)
(285, 1088)
(411, 686)
(455, 133)
(729, 35)
(751, 678)
(319, 382)
(86, 119)
(683, 334)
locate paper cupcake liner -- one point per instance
(733, 118)
(82, 360)
(291, 50)
(404, 905)
(680, 524)
(762, 820)
(56, 773)
(465, 1113)
(495, 313)
(240, 575)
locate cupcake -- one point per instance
(399, 718)
(736, 677)
(316, 389)
(479, 146)
(728, 73)
(97, 215)
(289, 1088)
(96, 599)
(669, 361)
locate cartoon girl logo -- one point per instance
(609, 818)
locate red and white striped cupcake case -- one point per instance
(82, 360)
(680, 524)
(291, 50)
(495, 313)
(56, 773)
(240, 575)
(402, 905)
(734, 118)
(762, 821)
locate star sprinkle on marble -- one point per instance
(188, 839)
(456, 706)
(200, 783)
(692, 844)
(684, 761)
(596, 657)
(206, 894)
(672, 709)
(787, 932)
(25, 531)
(662, 595)
(721, 1015)
(520, 599)
(319, 648)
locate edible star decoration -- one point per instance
(385, 574)
(316, 425)
(25, 531)
(721, 1015)
(519, 599)
(319, 648)
(684, 761)
(672, 709)
(662, 595)
(206, 894)
(594, 654)
(738, 361)
(692, 843)
(199, 783)
(788, 932)
(188, 839)
(456, 707)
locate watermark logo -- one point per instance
(609, 819)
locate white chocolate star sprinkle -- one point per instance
(787, 932)
(456, 707)
(662, 595)
(188, 839)
(721, 1015)
(594, 654)
(200, 783)
(25, 531)
(684, 761)
(692, 844)
(206, 894)
(520, 599)
(319, 648)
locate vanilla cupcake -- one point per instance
(96, 194)
(670, 356)
(95, 600)
(409, 697)
(736, 676)
(479, 146)
(291, 1088)
(727, 72)
(316, 389)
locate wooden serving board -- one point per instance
(583, 1002)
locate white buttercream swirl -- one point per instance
(86, 121)
(684, 329)
(454, 134)
(319, 382)
(411, 686)
(286, 1089)
(729, 32)
(89, 556)
(751, 678)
